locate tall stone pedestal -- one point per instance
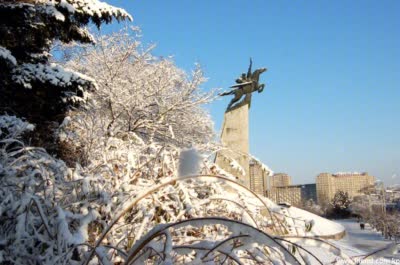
(235, 137)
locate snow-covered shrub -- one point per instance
(209, 241)
(339, 205)
(312, 207)
(32, 191)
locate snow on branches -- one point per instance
(29, 85)
(140, 98)
(96, 10)
(59, 88)
(6, 57)
(30, 188)
(29, 27)
(13, 127)
(28, 74)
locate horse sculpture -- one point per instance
(246, 84)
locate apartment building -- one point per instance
(293, 194)
(352, 183)
(259, 177)
(280, 180)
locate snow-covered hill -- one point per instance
(322, 227)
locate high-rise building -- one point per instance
(259, 175)
(280, 180)
(352, 183)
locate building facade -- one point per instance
(280, 180)
(309, 192)
(293, 194)
(352, 183)
(288, 194)
(259, 176)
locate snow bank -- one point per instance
(321, 226)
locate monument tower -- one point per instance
(234, 158)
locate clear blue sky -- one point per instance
(332, 100)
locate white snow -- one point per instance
(353, 247)
(6, 54)
(93, 8)
(67, 6)
(340, 173)
(264, 167)
(13, 126)
(358, 243)
(364, 240)
(52, 11)
(236, 166)
(189, 162)
(84, 33)
(80, 235)
(52, 73)
(321, 226)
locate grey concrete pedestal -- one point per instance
(235, 137)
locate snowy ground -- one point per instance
(366, 240)
(355, 245)
(360, 242)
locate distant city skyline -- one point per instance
(331, 101)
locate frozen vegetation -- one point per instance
(130, 210)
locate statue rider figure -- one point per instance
(245, 85)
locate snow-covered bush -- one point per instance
(209, 241)
(339, 205)
(31, 189)
(312, 207)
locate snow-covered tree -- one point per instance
(139, 98)
(30, 86)
(312, 207)
(339, 206)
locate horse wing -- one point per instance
(242, 84)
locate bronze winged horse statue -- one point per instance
(245, 85)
